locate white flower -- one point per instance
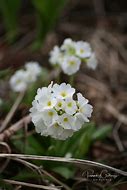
(70, 65)
(68, 46)
(84, 109)
(55, 56)
(92, 62)
(60, 105)
(81, 100)
(33, 70)
(37, 119)
(70, 55)
(63, 91)
(83, 49)
(23, 78)
(45, 99)
(79, 121)
(70, 106)
(18, 82)
(33, 67)
(66, 121)
(55, 113)
(58, 132)
(49, 116)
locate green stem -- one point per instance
(72, 79)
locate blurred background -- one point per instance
(30, 29)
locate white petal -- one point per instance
(92, 62)
(83, 49)
(81, 100)
(70, 106)
(66, 121)
(49, 116)
(71, 65)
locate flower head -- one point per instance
(70, 64)
(83, 49)
(63, 91)
(22, 78)
(68, 46)
(71, 54)
(33, 66)
(55, 113)
(55, 56)
(18, 81)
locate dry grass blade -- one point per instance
(66, 160)
(41, 171)
(29, 184)
(120, 117)
(12, 111)
(15, 127)
(3, 166)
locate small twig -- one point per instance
(27, 164)
(31, 166)
(3, 166)
(56, 180)
(66, 160)
(117, 138)
(14, 128)
(120, 117)
(25, 135)
(12, 111)
(40, 171)
(29, 184)
(18, 187)
(95, 83)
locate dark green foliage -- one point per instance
(10, 10)
(46, 14)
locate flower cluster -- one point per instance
(55, 113)
(24, 77)
(71, 54)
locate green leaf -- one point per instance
(47, 13)
(102, 132)
(85, 141)
(34, 146)
(4, 73)
(9, 10)
(64, 171)
(25, 175)
(5, 186)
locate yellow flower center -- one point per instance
(56, 125)
(65, 119)
(50, 113)
(72, 62)
(18, 81)
(63, 94)
(69, 104)
(81, 51)
(59, 104)
(81, 110)
(49, 103)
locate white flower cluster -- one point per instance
(70, 55)
(56, 113)
(23, 78)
